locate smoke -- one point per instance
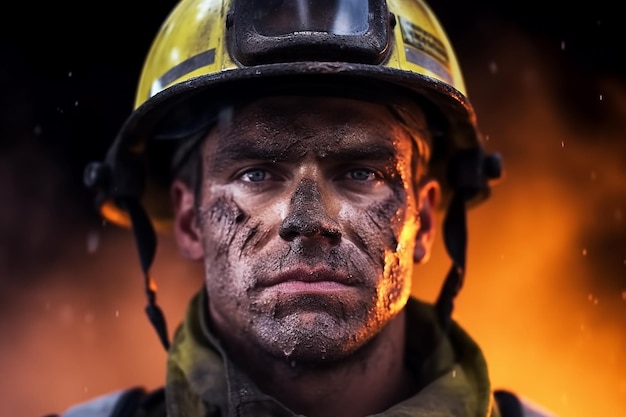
(544, 293)
(82, 330)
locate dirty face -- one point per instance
(308, 219)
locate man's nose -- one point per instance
(308, 216)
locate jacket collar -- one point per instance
(203, 381)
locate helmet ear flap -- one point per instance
(120, 177)
(470, 172)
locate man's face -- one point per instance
(307, 220)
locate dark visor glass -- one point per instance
(335, 17)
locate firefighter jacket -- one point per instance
(202, 381)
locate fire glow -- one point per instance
(526, 299)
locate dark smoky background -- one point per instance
(546, 288)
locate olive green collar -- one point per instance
(203, 381)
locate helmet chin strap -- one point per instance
(469, 174)
(455, 240)
(145, 238)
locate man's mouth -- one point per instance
(306, 279)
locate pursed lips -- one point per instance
(319, 277)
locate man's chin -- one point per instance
(312, 337)
(340, 307)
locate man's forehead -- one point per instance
(328, 123)
(288, 127)
(331, 116)
(286, 149)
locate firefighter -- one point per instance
(303, 153)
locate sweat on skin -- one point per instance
(308, 223)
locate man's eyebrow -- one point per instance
(256, 149)
(375, 151)
(264, 150)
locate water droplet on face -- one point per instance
(288, 350)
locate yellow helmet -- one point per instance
(209, 50)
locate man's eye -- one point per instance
(362, 174)
(255, 175)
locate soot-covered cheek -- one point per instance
(388, 215)
(223, 219)
(377, 226)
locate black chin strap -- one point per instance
(455, 240)
(145, 238)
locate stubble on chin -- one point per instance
(312, 329)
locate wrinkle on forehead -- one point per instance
(256, 148)
(288, 128)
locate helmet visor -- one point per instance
(274, 31)
(336, 17)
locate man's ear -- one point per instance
(428, 199)
(186, 230)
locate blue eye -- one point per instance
(255, 175)
(362, 174)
